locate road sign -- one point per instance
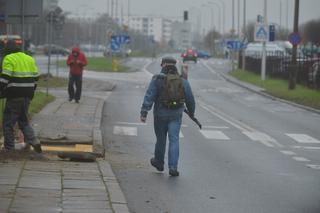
(235, 45)
(125, 39)
(272, 32)
(32, 9)
(261, 32)
(294, 38)
(114, 46)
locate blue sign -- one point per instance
(120, 39)
(294, 38)
(261, 32)
(114, 45)
(272, 33)
(235, 45)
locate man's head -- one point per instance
(75, 51)
(168, 61)
(11, 47)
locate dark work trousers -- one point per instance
(77, 81)
(16, 110)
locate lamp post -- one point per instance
(224, 14)
(211, 14)
(244, 32)
(219, 14)
(264, 52)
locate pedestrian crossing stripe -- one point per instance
(312, 166)
(301, 159)
(214, 134)
(125, 130)
(302, 138)
(286, 152)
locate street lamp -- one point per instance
(219, 15)
(212, 16)
(224, 14)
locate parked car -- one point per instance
(55, 49)
(189, 55)
(254, 49)
(203, 54)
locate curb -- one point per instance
(116, 197)
(98, 148)
(260, 91)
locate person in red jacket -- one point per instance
(76, 61)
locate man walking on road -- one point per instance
(17, 85)
(76, 61)
(170, 94)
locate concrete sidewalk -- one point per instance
(58, 186)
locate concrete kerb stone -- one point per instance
(98, 147)
(261, 92)
(117, 198)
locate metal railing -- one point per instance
(278, 67)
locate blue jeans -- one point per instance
(16, 110)
(170, 126)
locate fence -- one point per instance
(308, 69)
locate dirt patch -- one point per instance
(16, 155)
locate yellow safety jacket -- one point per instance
(19, 75)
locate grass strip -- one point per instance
(279, 88)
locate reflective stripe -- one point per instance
(4, 80)
(21, 85)
(20, 74)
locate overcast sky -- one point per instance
(309, 9)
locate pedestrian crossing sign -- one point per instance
(261, 32)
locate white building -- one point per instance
(181, 35)
(50, 4)
(157, 28)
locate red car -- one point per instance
(189, 55)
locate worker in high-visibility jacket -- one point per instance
(17, 85)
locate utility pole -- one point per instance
(264, 52)
(293, 68)
(238, 18)
(244, 33)
(232, 30)
(280, 18)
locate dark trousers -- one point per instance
(77, 81)
(16, 110)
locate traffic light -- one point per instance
(185, 15)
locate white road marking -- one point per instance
(180, 135)
(312, 166)
(286, 152)
(215, 127)
(214, 72)
(131, 123)
(260, 137)
(300, 159)
(249, 131)
(213, 134)
(302, 138)
(125, 130)
(307, 147)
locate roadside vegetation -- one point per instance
(100, 64)
(279, 88)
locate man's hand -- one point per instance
(143, 119)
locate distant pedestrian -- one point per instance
(17, 85)
(169, 93)
(76, 61)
